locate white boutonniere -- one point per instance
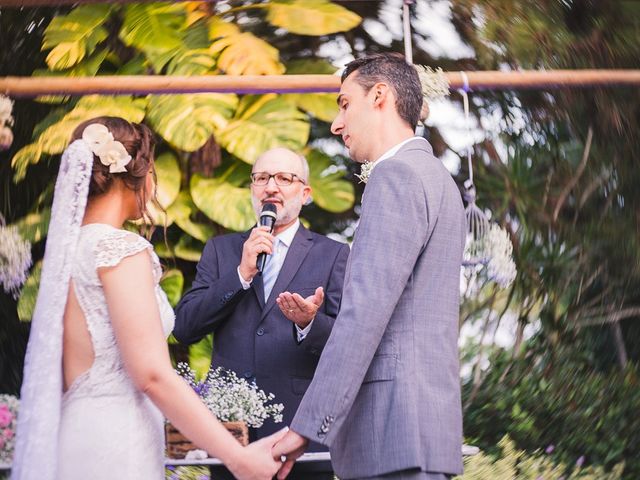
(365, 172)
(110, 152)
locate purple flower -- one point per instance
(580, 461)
(201, 388)
(550, 449)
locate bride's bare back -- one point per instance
(77, 350)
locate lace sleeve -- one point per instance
(112, 248)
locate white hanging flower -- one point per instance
(6, 138)
(15, 259)
(501, 268)
(6, 107)
(365, 172)
(110, 152)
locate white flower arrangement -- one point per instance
(365, 172)
(6, 120)
(501, 268)
(8, 418)
(494, 254)
(110, 152)
(15, 259)
(232, 399)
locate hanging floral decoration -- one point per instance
(6, 120)
(15, 259)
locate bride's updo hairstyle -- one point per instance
(138, 141)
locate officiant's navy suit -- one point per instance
(252, 336)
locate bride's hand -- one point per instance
(257, 462)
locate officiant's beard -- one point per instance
(287, 212)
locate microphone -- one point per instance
(267, 218)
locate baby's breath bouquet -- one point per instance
(232, 399)
(8, 417)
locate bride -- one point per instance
(97, 371)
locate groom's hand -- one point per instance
(291, 447)
(300, 311)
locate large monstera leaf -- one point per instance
(330, 190)
(311, 17)
(54, 139)
(188, 121)
(261, 123)
(172, 283)
(242, 53)
(181, 212)
(167, 187)
(225, 204)
(154, 28)
(71, 37)
(323, 106)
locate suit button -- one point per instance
(260, 331)
(248, 374)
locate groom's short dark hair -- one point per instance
(402, 77)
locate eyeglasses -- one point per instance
(282, 179)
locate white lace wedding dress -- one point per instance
(108, 428)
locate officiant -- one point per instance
(271, 327)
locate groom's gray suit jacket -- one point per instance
(386, 394)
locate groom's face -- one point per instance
(354, 121)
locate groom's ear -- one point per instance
(380, 93)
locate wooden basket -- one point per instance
(178, 445)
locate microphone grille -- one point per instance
(269, 207)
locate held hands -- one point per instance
(300, 310)
(291, 446)
(257, 462)
(259, 241)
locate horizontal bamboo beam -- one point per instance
(158, 84)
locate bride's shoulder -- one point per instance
(109, 245)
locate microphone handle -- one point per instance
(262, 260)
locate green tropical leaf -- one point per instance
(86, 68)
(188, 248)
(29, 294)
(310, 65)
(181, 211)
(34, 226)
(188, 121)
(71, 36)
(172, 283)
(167, 187)
(311, 17)
(54, 139)
(330, 190)
(261, 123)
(200, 356)
(223, 203)
(242, 53)
(27, 155)
(323, 106)
(191, 62)
(156, 29)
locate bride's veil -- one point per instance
(40, 400)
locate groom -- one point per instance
(385, 397)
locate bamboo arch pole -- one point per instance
(157, 84)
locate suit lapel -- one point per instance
(300, 246)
